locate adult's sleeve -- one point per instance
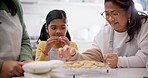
(26, 50)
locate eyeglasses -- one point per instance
(114, 14)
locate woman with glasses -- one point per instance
(124, 41)
(54, 34)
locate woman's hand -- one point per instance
(112, 59)
(12, 68)
(66, 52)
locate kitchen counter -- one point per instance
(113, 73)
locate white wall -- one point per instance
(81, 16)
(147, 6)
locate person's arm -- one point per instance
(26, 51)
(40, 56)
(90, 54)
(1, 63)
(137, 60)
(2, 6)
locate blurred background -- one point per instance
(84, 18)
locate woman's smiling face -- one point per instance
(116, 16)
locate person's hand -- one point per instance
(50, 42)
(55, 40)
(64, 41)
(12, 68)
(112, 59)
(66, 52)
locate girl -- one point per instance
(54, 34)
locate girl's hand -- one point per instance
(50, 42)
(64, 41)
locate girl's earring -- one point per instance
(129, 20)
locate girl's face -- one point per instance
(57, 27)
(116, 16)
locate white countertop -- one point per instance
(113, 73)
(125, 73)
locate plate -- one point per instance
(82, 67)
(80, 71)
